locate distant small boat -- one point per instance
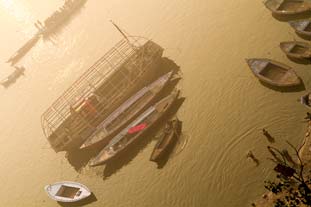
(273, 72)
(135, 129)
(288, 6)
(306, 100)
(13, 76)
(171, 133)
(302, 27)
(126, 112)
(24, 49)
(296, 49)
(67, 191)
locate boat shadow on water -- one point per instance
(92, 198)
(78, 158)
(125, 157)
(288, 89)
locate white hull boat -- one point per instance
(67, 191)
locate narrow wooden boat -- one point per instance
(125, 113)
(302, 27)
(306, 100)
(21, 52)
(288, 6)
(296, 49)
(171, 133)
(67, 191)
(135, 129)
(273, 72)
(13, 76)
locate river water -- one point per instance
(223, 113)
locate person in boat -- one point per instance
(252, 156)
(265, 132)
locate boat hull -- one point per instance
(167, 141)
(287, 7)
(67, 191)
(296, 49)
(302, 27)
(273, 72)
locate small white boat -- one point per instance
(67, 191)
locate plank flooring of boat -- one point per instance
(298, 49)
(273, 72)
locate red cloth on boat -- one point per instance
(137, 128)
(90, 107)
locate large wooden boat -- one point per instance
(126, 112)
(302, 27)
(288, 6)
(306, 100)
(135, 129)
(273, 72)
(108, 83)
(296, 49)
(171, 133)
(13, 76)
(67, 191)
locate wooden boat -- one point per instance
(296, 49)
(171, 134)
(67, 191)
(135, 129)
(126, 112)
(12, 77)
(23, 50)
(306, 100)
(288, 6)
(273, 72)
(302, 27)
(60, 16)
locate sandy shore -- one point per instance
(268, 199)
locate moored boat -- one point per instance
(21, 52)
(273, 72)
(296, 49)
(288, 6)
(67, 191)
(306, 100)
(171, 133)
(126, 112)
(302, 27)
(135, 129)
(13, 76)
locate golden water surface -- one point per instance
(223, 114)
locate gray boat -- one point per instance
(273, 72)
(302, 27)
(296, 49)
